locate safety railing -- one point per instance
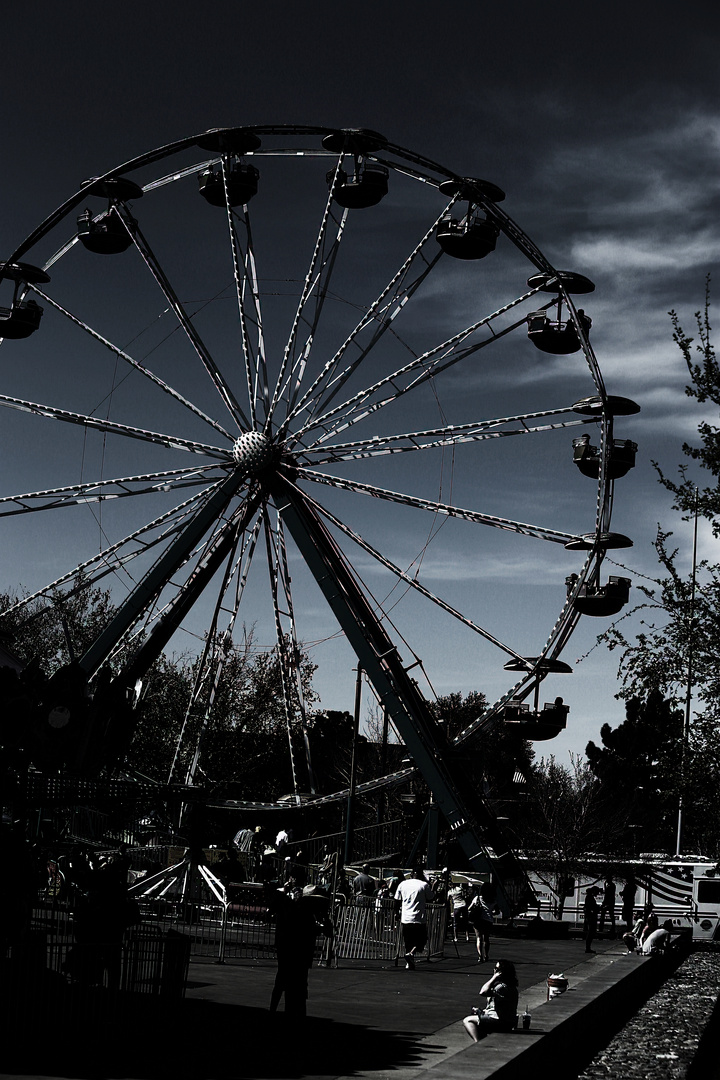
(50, 977)
(369, 929)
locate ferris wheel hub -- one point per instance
(253, 452)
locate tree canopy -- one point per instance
(704, 386)
(568, 814)
(668, 747)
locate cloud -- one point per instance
(649, 253)
(536, 569)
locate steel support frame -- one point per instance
(471, 821)
(152, 583)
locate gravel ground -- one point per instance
(663, 1038)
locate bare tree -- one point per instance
(566, 819)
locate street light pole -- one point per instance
(688, 688)
(349, 820)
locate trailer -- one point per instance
(686, 892)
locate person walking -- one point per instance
(481, 917)
(411, 899)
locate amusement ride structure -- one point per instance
(307, 346)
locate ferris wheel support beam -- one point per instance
(470, 820)
(150, 586)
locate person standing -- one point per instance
(590, 912)
(364, 886)
(458, 899)
(411, 898)
(607, 908)
(628, 903)
(297, 925)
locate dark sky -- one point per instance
(601, 123)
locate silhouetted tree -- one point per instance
(567, 817)
(638, 765)
(704, 386)
(670, 664)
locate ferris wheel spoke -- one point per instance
(213, 550)
(216, 650)
(76, 494)
(239, 265)
(295, 645)
(183, 318)
(322, 282)
(381, 314)
(411, 581)
(452, 435)
(422, 367)
(286, 644)
(312, 280)
(538, 531)
(114, 428)
(108, 561)
(261, 387)
(144, 371)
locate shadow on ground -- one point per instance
(203, 1039)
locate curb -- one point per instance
(571, 1029)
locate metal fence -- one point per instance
(244, 928)
(48, 977)
(370, 930)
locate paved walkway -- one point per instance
(366, 1021)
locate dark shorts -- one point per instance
(415, 935)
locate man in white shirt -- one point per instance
(658, 941)
(411, 897)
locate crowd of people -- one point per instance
(643, 934)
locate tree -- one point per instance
(57, 629)
(670, 664)
(704, 386)
(637, 766)
(566, 818)
(679, 635)
(246, 745)
(243, 729)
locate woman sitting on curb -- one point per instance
(500, 1013)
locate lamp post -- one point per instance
(349, 819)
(688, 689)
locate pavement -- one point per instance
(367, 1020)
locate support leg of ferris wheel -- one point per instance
(471, 822)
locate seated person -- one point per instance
(657, 941)
(500, 1013)
(651, 925)
(632, 937)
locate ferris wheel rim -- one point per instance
(484, 193)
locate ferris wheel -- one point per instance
(274, 355)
